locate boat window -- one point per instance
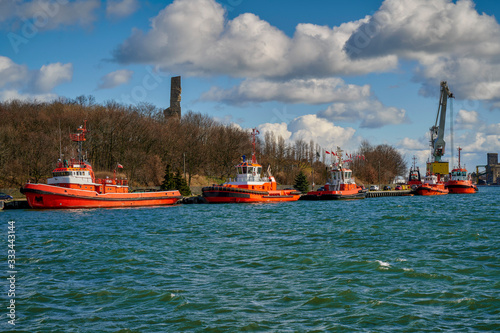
(259, 170)
(244, 169)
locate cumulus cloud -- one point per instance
(194, 36)
(49, 15)
(12, 74)
(412, 144)
(467, 119)
(17, 81)
(371, 112)
(449, 41)
(121, 8)
(278, 129)
(9, 95)
(308, 91)
(115, 79)
(310, 127)
(52, 75)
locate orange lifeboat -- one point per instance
(73, 185)
(460, 182)
(249, 186)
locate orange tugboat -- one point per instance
(340, 186)
(460, 182)
(73, 185)
(431, 186)
(249, 186)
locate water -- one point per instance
(410, 264)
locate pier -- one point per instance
(398, 193)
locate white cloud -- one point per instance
(17, 81)
(412, 144)
(278, 129)
(42, 15)
(371, 112)
(310, 127)
(11, 74)
(193, 36)
(9, 95)
(481, 142)
(121, 8)
(115, 79)
(52, 75)
(450, 41)
(308, 91)
(467, 119)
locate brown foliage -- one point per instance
(34, 135)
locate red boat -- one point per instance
(431, 186)
(249, 186)
(414, 179)
(340, 186)
(459, 181)
(73, 185)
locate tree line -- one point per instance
(34, 135)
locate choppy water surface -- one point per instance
(410, 264)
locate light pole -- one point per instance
(379, 175)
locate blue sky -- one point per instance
(336, 72)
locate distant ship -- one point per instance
(249, 186)
(460, 181)
(341, 184)
(73, 185)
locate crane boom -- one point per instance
(437, 131)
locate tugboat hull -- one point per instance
(225, 194)
(431, 190)
(43, 196)
(460, 188)
(337, 195)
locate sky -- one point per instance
(336, 72)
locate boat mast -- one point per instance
(459, 149)
(80, 137)
(254, 134)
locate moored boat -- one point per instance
(73, 185)
(431, 186)
(414, 179)
(249, 186)
(460, 182)
(341, 184)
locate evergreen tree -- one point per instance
(168, 181)
(301, 183)
(181, 184)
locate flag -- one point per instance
(326, 151)
(120, 166)
(318, 155)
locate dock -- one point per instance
(14, 204)
(392, 193)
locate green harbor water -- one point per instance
(408, 264)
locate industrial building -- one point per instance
(492, 169)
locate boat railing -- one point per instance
(110, 181)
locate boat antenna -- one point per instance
(254, 134)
